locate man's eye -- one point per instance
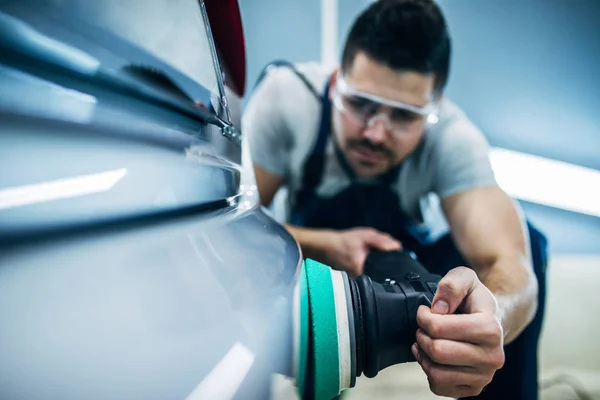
(359, 103)
(405, 116)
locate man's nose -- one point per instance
(376, 130)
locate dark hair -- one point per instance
(402, 35)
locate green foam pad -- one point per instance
(323, 327)
(303, 331)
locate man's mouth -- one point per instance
(369, 155)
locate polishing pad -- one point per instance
(332, 364)
(301, 331)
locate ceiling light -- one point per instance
(548, 182)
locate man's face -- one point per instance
(392, 135)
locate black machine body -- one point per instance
(385, 303)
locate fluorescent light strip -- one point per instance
(60, 189)
(548, 182)
(329, 28)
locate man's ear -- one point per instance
(440, 96)
(334, 77)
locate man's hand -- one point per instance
(344, 250)
(460, 353)
(347, 250)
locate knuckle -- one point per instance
(367, 231)
(477, 386)
(420, 319)
(497, 359)
(436, 376)
(433, 387)
(464, 270)
(437, 390)
(440, 390)
(488, 380)
(492, 329)
(462, 274)
(495, 331)
(498, 333)
(494, 322)
(436, 348)
(434, 329)
(470, 391)
(448, 285)
(427, 367)
(424, 320)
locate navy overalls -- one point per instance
(377, 206)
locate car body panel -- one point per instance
(145, 313)
(135, 260)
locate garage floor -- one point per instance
(570, 340)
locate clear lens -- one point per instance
(364, 107)
(401, 116)
(365, 111)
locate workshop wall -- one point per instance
(526, 72)
(280, 29)
(289, 29)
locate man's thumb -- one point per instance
(452, 290)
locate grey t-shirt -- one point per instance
(281, 121)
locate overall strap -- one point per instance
(315, 163)
(292, 67)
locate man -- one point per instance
(360, 150)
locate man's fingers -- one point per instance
(358, 264)
(380, 241)
(455, 286)
(355, 262)
(479, 328)
(450, 381)
(452, 289)
(450, 352)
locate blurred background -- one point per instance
(526, 72)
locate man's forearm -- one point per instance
(513, 283)
(312, 241)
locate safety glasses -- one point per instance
(366, 109)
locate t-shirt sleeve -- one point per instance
(461, 159)
(263, 123)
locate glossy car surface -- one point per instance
(135, 262)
